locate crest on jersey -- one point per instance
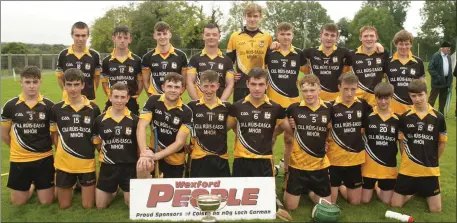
(128, 131)
(86, 120)
(413, 71)
(130, 69)
(220, 117)
(420, 127)
(87, 66)
(335, 59)
(41, 116)
(176, 120)
(378, 61)
(392, 130)
(324, 119)
(267, 115)
(430, 127)
(262, 43)
(293, 63)
(220, 66)
(174, 65)
(359, 114)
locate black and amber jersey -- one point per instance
(345, 138)
(370, 71)
(30, 136)
(283, 70)
(168, 121)
(420, 137)
(255, 125)
(328, 68)
(381, 136)
(75, 147)
(88, 63)
(221, 64)
(127, 71)
(209, 128)
(399, 75)
(118, 137)
(311, 132)
(157, 65)
(248, 49)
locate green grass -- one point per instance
(373, 212)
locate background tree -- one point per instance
(235, 21)
(14, 48)
(343, 25)
(397, 8)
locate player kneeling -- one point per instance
(116, 129)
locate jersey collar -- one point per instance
(202, 102)
(113, 56)
(245, 30)
(219, 53)
(265, 100)
(71, 51)
(321, 48)
(384, 118)
(86, 103)
(291, 50)
(170, 51)
(321, 104)
(360, 51)
(178, 104)
(22, 99)
(429, 111)
(410, 57)
(338, 100)
(108, 114)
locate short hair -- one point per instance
(161, 26)
(384, 89)
(211, 26)
(348, 78)
(119, 86)
(258, 73)
(174, 77)
(80, 25)
(121, 29)
(331, 27)
(253, 8)
(403, 36)
(31, 72)
(209, 75)
(310, 79)
(73, 74)
(417, 86)
(284, 26)
(366, 28)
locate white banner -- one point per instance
(174, 199)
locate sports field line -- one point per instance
(5, 174)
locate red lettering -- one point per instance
(221, 192)
(195, 194)
(231, 200)
(154, 194)
(250, 196)
(180, 199)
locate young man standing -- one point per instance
(307, 163)
(210, 58)
(381, 136)
(424, 136)
(81, 57)
(162, 60)
(345, 141)
(255, 118)
(122, 66)
(116, 128)
(25, 122)
(73, 134)
(173, 121)
(402, 68)
(248, 48)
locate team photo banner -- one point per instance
(233, 198)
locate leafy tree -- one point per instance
(396, 8)
(15, 48)
(343, 25)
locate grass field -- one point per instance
(118, 212)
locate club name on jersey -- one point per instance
(218, 73)
(369, 72)
(76, 131)
(209, 129)
(121, 78)
(325, 69)
(283, 73)
(30, 128)
(348, 127)
(312, 130)
(419, 138)
(165, 128)
(117, 143)
(255, 127)
(381, 137)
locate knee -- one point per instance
(290, 207)
(88, 206)
(47, 201)
(396, 204)
(435, 208)
(101, 206)
(17, 202)
(64, 206)
(354, 202)
(365, 200)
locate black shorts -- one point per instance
(170, 171)
(67, 180)
(302, 181)
(351, 176)
(209, 166)
(40, 172)
(246, 167)
(240, 93)
(383, 184)
(421, 186)
(132, 105)
(113, 175)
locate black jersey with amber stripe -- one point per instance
(255, 125)
(209, 128)
(248, 49)
(30, 136)
(168, 121)
(89, 63)
(346, 144)
(127, 71)
(283, 71)
(368, 68)
(421, 137)
(328, 68)
(311, 131)
(75, 147)
(156, 65)
(201, 62)
(118, 137)
(381, 136)
(399, 75)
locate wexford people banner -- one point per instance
(233, 198)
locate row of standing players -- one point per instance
(282, 64)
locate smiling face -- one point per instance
(252, 20)
(119, 99)
(368, 38)
(209, 89)
(162, 37)
(211, 37)
(172, 90)
(403, 48)
(328, 38)
(310, 93)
